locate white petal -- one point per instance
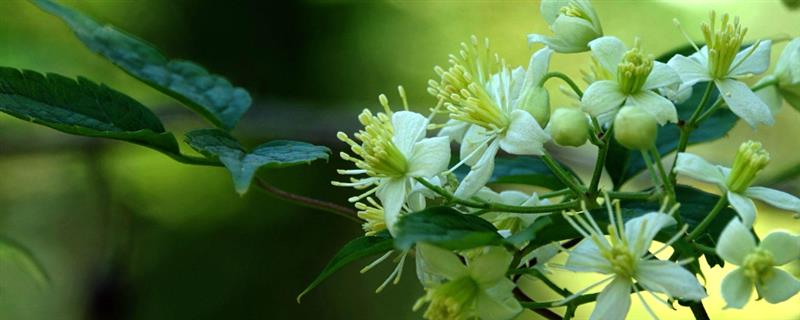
(736, 289)
(694, 166)
(524, 135)
(551, 9)
(392, 195)
(498, 302)
(602, 97)
(614, 301)
(744, 103)
(640, 231)
(661, 76)
(735, 242)
(744, 207)
(542, 254)
(537, 67)
(690, 70)
(491, 266)
(670, 278)
(661, 108)
(608, 51)
(575, 32)
(409, 127)
(441, 262)
(513, 197)
(586, 257)
(788, 56)
(429, 157)
(783, 246)
(473, 145)
(775, 198)
(756, 63)
(556, 44)
(454, 129)
(779, 287)
(479, 174)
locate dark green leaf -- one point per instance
(81, 107)
(242, 164)
(208, 94)
(356, 249)
(10, 250)
(520, 170)
(445, 227)
(623, 164)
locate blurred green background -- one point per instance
(127, 233)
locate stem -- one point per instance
(553, 194)
(547, 314)
(563, 77)
(650, 167)
(699, 311)
(670, 188)
(562, 175)
(498, 207)
(644, 195)
(688, 126)
(722, 203)
(304, 201)
(602, 154)
(710, 111)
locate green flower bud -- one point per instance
(569, 127)
(635, 128)
(536, 100)
(751, 158)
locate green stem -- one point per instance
(650, 168)
(553, 194)
(721, 204)
(304, 201)
(497, 207)
(587, 298)
(699, 311)
(644, 195)
(719, 103)
(688, 126)
(670, 188)
(602, 154)
(561, 174)
(563, 77)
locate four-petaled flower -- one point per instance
(722, 62)
(573, 22)
(757, 265)
(633, 77)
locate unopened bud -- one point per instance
(569, 127)
(536, 100)
(635, 128)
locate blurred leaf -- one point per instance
(11, 250)
(356, 249)
(445, 227)
(530, 232)
(520, 170)
(623, 164)
(210, 95)
(81, 107)
(218, 144)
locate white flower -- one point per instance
(624, 257)
(478, 89)
(787, 78)
(478, 290)
(722, 62)
(509, 223)
(392, 152)
(735, 182)
(634, 76)
(757, 265)
(574, 23)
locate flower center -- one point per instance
(452, 300)
(372, 214)
(573, 10)
(758, 265)
(723, 44)
(379, 155)
(750, 159)
(463, 86)
(622, 260)
(634, 69)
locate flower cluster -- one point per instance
(403, 168)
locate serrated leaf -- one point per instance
(210, 95)
(520, 170)
(81, 107)
(242, 163)
(445, 227)
(10, 250)
(356, 249)
(623, 164)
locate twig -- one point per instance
(336, 209)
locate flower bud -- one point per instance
(750, 160)
(635, 128)
(569, 127)
(536, 100)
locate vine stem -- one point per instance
(563, 77)
(670, 188)
(688, 127)
(721, 204)
(602, 154)
(304, 201)
(562, 175)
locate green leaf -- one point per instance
(445, 227)
(520, 170)
(623, 164)
(81, 107)
(210, 95)
(356, 249)
(13, 251)
(242, 164)
(530, 232)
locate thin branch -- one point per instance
(336, 209)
